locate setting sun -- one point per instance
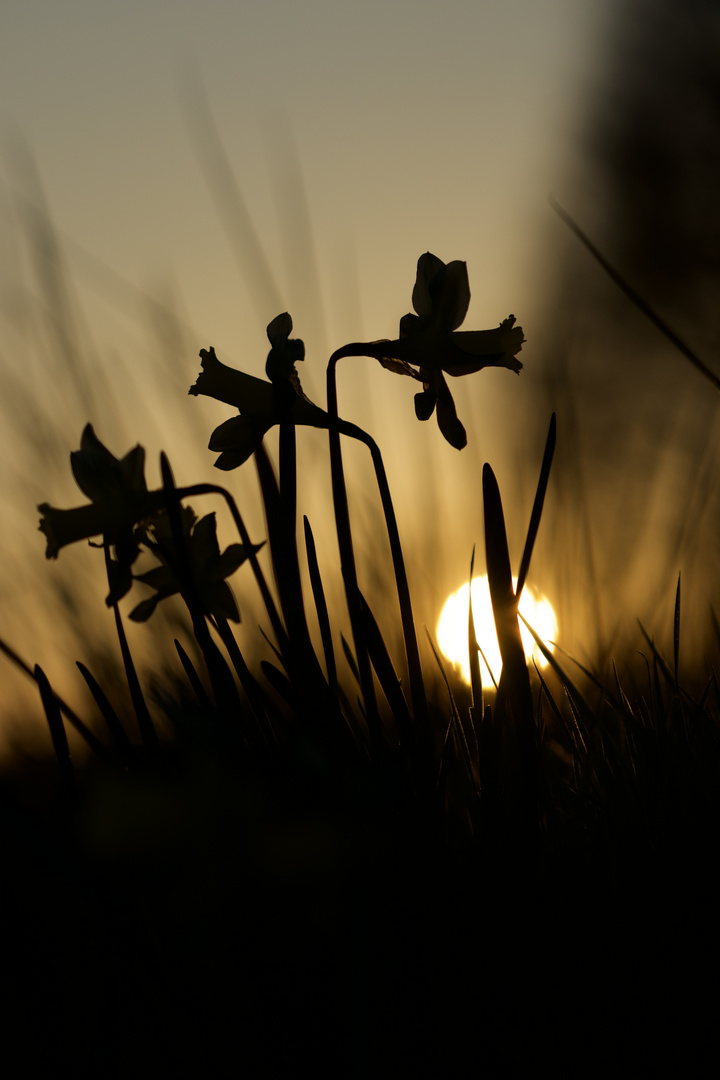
(452, 629)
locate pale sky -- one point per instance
(361, 135)
(416, 125)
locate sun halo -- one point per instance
(452, 631)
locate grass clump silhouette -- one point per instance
(281, 872)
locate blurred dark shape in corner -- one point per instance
(654, 139)
(638, 435)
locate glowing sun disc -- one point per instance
(452, 631)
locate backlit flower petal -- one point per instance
(450, 297)
(428, 266)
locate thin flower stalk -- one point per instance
(417, 686)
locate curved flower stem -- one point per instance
(347, 559)
(417, 687)
(147, 729)
(309, 670)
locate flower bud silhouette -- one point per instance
(261, 404)
(119, 500)
(208, 566)
(430, 343)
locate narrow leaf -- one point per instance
(57, 730)
(109, 715)
(320, 604)
(636, 299)
(537, 508)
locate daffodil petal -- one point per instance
(450, 297)
(279, 329)
(216, 380)
(447, 418)
(427, 268)
(450, 426)
(425, 404)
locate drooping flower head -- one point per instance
(208, 566)
(261, 404)
(119, 499)
(430, 343)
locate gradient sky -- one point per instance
(360, 135)
(415, 125)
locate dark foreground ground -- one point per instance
(189, 920)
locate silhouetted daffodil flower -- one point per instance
(119, 501)
(431, 342)
(208, 566)
(261, 404)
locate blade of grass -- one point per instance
(280, 683)
(387, 676)
(676, 634)
(635, 297)
(412, 652)
(225, 691)
(537, 507)
(301, 662)
(70, 715)
(320, 605)
(57, 731)
(347, 556)
(192, 676)
(476, 688)
(349, 656)
(260, 705)
(514, 680)
(148, 733)
(109, 715)
(456, 726)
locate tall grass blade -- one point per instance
(555, 707)
(148, 733)
(387, 676)
(280, 683)
(70, 715)
(412, 652)
(109, 715)
(57, 730)
(226, 694)
(286, 568)
(635, 297)
(347, 555)
(192, 676)
(259, 703)
(288, 475)
(230, 203)
(320, 605)
(476, 689)
(615, 702)
(676, 633)
(659, 659)
(349, 656)
(581, 703)
(456, 727)
(537, 507)
(514, 680)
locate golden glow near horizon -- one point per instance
(452, 631)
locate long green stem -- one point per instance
(147, 728)
(417, 687)
(347, 556)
